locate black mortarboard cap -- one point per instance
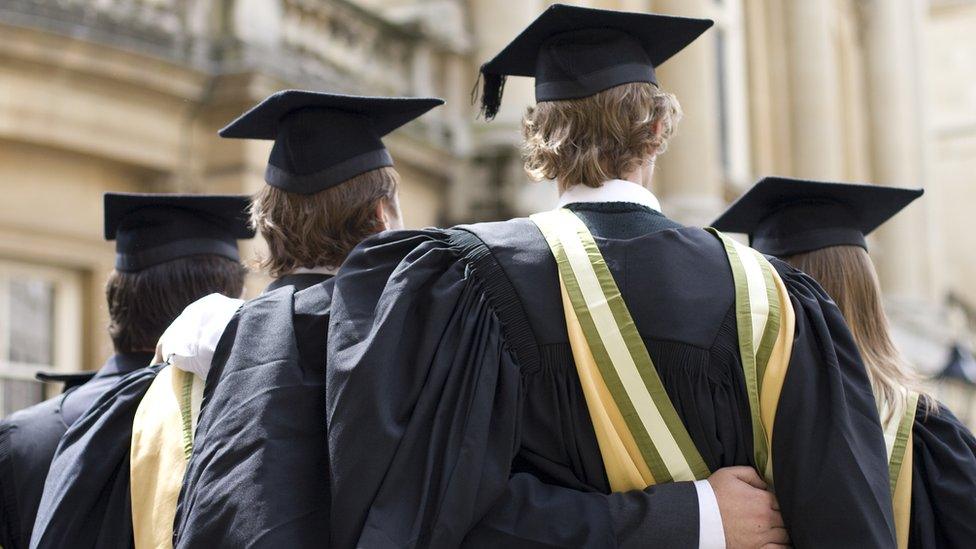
(149, 229)
(575, 52)
(323, 139)
(70, 379)
(784, 216)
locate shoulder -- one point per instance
(798, 283)
(76, 402)
(394, 246)
(124, 392)
(315, 300)
(516, 242)
(677, 282)
(389, 251)
(42, 420)
(942, 425)
(29, 438)
(28, 441)
(501, 234)
(32, 414)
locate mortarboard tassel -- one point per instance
(492, 89)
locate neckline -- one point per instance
(613, 190)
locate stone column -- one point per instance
(689, 174)
(895, 77)
(907, 260)
(458, 123)
(622, 5)
(495, 25)
(502, 187)
(815, 109)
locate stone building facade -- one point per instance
(127, 95)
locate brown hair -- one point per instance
(849, 277)
(319, 230)
(604, 136)
(142, 304)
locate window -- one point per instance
(40, 310)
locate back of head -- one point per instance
(330, 177)
(603, 136)
(600, 111)
(849, 277)
(170, 250)
(320, 229)
(141, 304)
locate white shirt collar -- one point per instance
(315, 270)
(614, 190)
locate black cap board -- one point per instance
(70, 380)
(323, 139)
(784, 216)
(149, 229)
(575, 52)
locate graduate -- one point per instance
(821, 228)
(259, 472)
(170, 251)
(233, 464)
(600, 347)
(330, 184)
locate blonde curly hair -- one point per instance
(319, 230)
(604, 136)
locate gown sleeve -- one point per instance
(423, 396)
(424, 399)
(86, 496)
(829, 463)
(258, 474)
(28, 440)
(534, 514)
(9, 525)
(943, 481)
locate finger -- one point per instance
(749, 476)
(777, 536)
(771, 501)
(775, 545)
(776, 520)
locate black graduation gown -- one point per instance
(88, 501)
(258, 475)
(452, 391)
(943, 482)
(86, 495)
(29, 439)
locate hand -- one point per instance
(750, 514)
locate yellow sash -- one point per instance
(642, 440)
(766, 324)
(898, 440)
(162, 439)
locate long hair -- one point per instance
(848, 275)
